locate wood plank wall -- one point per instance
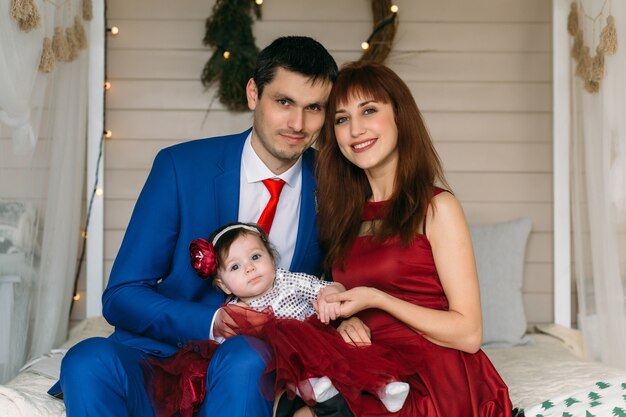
(480, 71)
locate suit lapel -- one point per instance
(227, 182)
(308, 212)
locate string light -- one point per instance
(259, 2)
(83, 234)
(113, 30)
(108, 134)
(390, 19)
(76, 297)
(226, 54)
(107, 85)
(99, 191)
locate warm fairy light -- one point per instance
(365, 45)
(83, 234)
(99, 191)
(76, 297)
(107, 85)
(108, 134)
(114, 30)
(226, 54)
(259, 2)
(394, 8)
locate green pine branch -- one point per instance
(229, 28)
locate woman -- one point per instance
(402, 248)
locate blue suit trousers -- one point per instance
(102, 378)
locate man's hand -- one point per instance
(328, 311)
(355, 332)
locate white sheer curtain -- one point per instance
(42, 162)
(599, 194)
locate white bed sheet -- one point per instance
(546, 369)
(26, 395)
(537, 372)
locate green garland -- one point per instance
(229, 33)
(383, 33)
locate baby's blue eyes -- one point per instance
(255, 257)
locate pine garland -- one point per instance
(229, 32)
(384, 31)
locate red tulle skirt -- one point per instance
(443, 382)
(301, 350)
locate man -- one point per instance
(154, 298)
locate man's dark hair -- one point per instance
(299, 54)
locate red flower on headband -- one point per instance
(203, 258)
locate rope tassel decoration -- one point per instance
(59, 45)
(591, 69)
(572, 20)
(79, 33)
(72, 45)
(26, 14)
(608, 37)
(47, 62)
(87, 10)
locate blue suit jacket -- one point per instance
(154, 298)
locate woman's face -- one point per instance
(248, 271)
(367, 133)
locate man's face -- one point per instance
(287, 117)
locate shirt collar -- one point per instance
(255, 170)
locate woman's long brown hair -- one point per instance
(343, 188)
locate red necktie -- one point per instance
(267, 217)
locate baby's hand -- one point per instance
(328, 311)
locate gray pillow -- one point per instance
(500, 250)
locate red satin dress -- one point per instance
(444, 382)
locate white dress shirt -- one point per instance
(253, 197)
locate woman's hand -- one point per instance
(355, 300)
(355, 332)
(327, 311)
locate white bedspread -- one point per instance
(603, 398)
(546, 370)
(26, 396)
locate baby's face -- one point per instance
(248, 271)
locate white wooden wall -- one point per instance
(480, 71)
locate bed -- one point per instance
(543, 368)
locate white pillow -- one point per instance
(500, 250)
